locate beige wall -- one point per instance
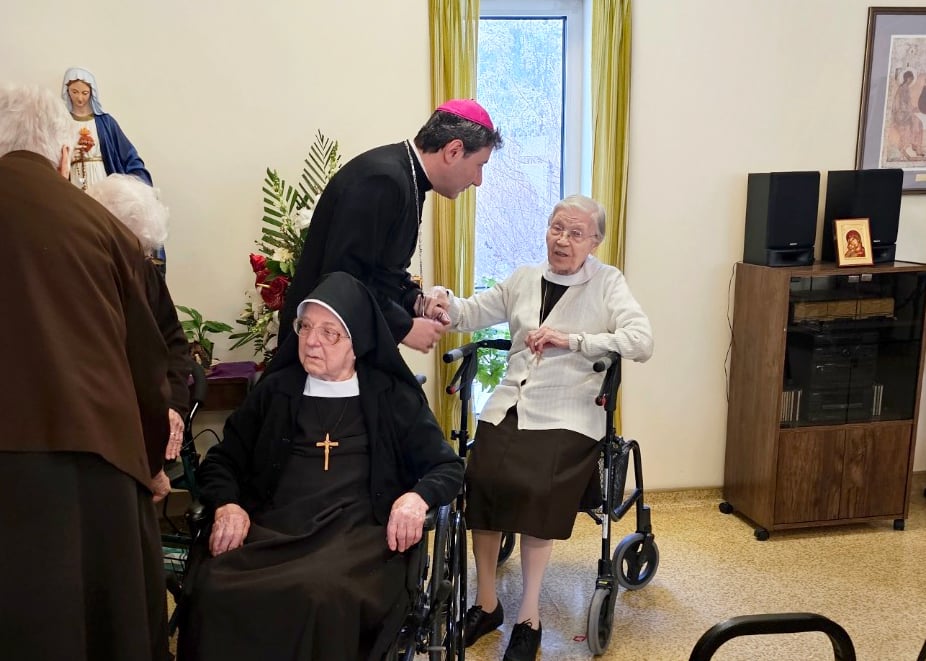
(213, 93)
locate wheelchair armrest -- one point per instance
(430, 519)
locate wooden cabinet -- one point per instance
(825, 374)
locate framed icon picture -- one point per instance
(853, 242)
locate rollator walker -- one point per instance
(636, 557)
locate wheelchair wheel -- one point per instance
(634, 562)
(507, 547)
(600, 620)
(447, 590)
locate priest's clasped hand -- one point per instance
(424, 334)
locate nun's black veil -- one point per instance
(373, 342)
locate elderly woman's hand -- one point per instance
(176, 435)
(539, 339)
(406, 521)
(437, 304)
(229, 529)
(160, 486)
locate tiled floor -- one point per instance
(868, 578)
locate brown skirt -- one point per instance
(526, 480)
(81, 569)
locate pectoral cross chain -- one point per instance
(327, 444)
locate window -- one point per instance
(532, 61)
(530, 74)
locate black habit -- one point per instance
(315, 578)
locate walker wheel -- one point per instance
(761, 534)
(505, 550)
(600, 620)
(726, 507)
(635, 561)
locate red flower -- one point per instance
(274, 292)
(261, 277)
(258, 263)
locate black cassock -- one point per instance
(315, 578)
(365, 223)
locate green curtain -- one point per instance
(610, 114)
(454, 27)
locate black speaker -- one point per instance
(781, 218)
(872, 194)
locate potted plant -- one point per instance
(197, 329)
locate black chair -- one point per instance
(773, 623)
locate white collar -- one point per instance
(318, 388)
(411, 143)
(583, 275)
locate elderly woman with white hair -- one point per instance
(138, 207)
(538, 434)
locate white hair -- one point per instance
(584, 204)
(33, 119)
(136, 204)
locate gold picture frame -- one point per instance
(853, 242)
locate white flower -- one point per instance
(303, 218)
(282, 255)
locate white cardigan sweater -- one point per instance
(558, 391)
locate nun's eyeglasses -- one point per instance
(575, 236)
(326, 334)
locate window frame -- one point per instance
(576, 169)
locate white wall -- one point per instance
(213, 93)
(721, 88)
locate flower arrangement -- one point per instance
(287, 213)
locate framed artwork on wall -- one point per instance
(892, 116)
(853, 242)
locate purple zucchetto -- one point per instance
(468, 109)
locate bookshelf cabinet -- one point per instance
(825, 374)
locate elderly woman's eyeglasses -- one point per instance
(326, 335)
(576, 236)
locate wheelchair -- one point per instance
(636, 557)
(436, 574)
(434, 626)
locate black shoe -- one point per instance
(478, 623)
(524, 642)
